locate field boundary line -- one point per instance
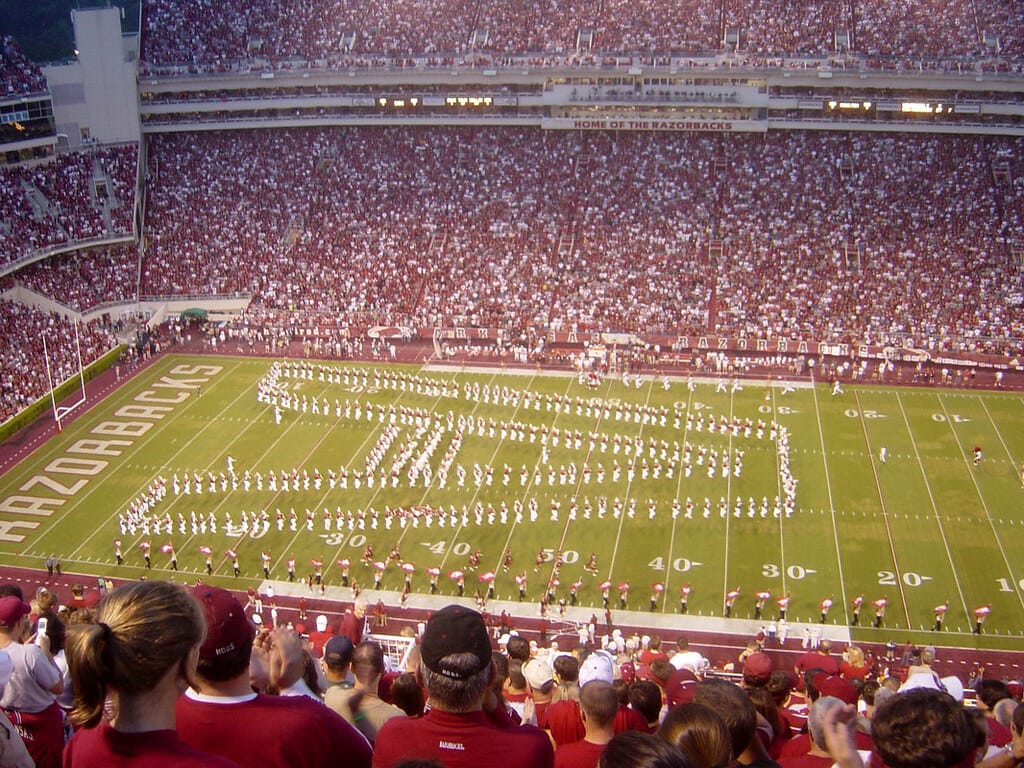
(981, 498)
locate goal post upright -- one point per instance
(60, 411)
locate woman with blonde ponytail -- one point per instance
(128, 669)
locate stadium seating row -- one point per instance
(71, 197)
(838, 237)
(207, 34)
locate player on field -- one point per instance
(940, 615)
(980, 614)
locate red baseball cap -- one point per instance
(12, 608)
(227, 626)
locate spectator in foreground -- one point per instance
(139, 655)
(633, 749)
(464, 724)
(13, 752)
(360, 705)
(737, 710)
(221, 713)
(28, 698)
(599, 704)
(699, 733)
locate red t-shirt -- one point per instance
(800, 745)
(998, 734)
(104, 747)
(582, 754)
(806, 761)
(562, 720)
(464, 740)
(271, 730)
(627, 719)
(814, 660)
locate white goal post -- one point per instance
(60, 411)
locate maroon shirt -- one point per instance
(271, 730)
(467, 740)
(105, 747)
(582, 754)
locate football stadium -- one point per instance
(645, 331)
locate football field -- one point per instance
(873, 492)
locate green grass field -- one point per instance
(924, 527)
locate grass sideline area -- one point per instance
(924, 527)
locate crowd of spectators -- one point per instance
(176, 32)
(83, 280)
(153, 672)
(18, 75)
(23, 375)
(862, 237)
(70, 197)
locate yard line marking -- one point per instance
(778, 488)
(981, 498)
(935, 509)
(625, 498)
(881, 502)
(728, 517)
(1013, 461)
(828, 486)
(679, 492)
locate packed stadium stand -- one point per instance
(514, 227)
(18, 75)
(906, 237)
(210, 35)
(640, 167)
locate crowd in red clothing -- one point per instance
(463, 693)
(62, 199)
(83, 280)
(855, 237)
(23, 377)
(205, 34)
(18, 75)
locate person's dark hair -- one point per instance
(567, 668)
(922, 728)
(682, 643)
(407, 695)
(460, 692)
(11, 590)
(779, 685)
(143, 629)
(516, 678)
(367, 661)
(633, 749)
(518, 648)
(661, 668)
(655, 643)
(989, 692)
(645, 698)
(766, 707)
(227, 666)
(868, 691)
(309, 674)
(734, 707)
(700, 734)
(622, 691)
(600, 702)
